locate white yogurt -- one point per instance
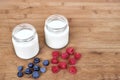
(56, 31)
(25, 41)
(56, 24)
(23, 34)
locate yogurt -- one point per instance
(25, 41)
(56, 31)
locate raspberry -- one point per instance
(70, 50)
(77, 56)
(64, 55)
(54, 61)
(62, 65)
(73, 70)
(55, 54)
(55, 69)
(72, 61)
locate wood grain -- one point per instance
(94, 31)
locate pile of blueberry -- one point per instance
(33, 69)
(69, 59)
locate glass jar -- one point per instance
(56, 31)
(25, 41)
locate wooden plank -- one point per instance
(94, 32)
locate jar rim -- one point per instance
(20, 27)
(56, 17)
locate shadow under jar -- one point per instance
(25, 41)
(56, 31)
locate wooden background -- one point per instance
(94, 31)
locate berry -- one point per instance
(35, 74)
(77, 56)
(70, 50)
(73, 70)
(36, 68)
(72, 61)
(54, 61)
(20, 74)
(20, 68)
(55, 69)
(62, 65)
(45, 62)
(55, 54)
(43, 70)
(64, 56)
(36, 60)
(30, 65)
(28, 71)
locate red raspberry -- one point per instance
(62, 65)
(77, 56)
(54, 61)
(73, 70)
(64, 55)
(70, 50)
(55, 54)
(72, 61)
(55, 69)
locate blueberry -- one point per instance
(36, 68)
(20, 74)
(43, 70)
(45, 62)
(36, 60)
(20, 68)
(28, 71)
(35, 74)
(30, 65)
